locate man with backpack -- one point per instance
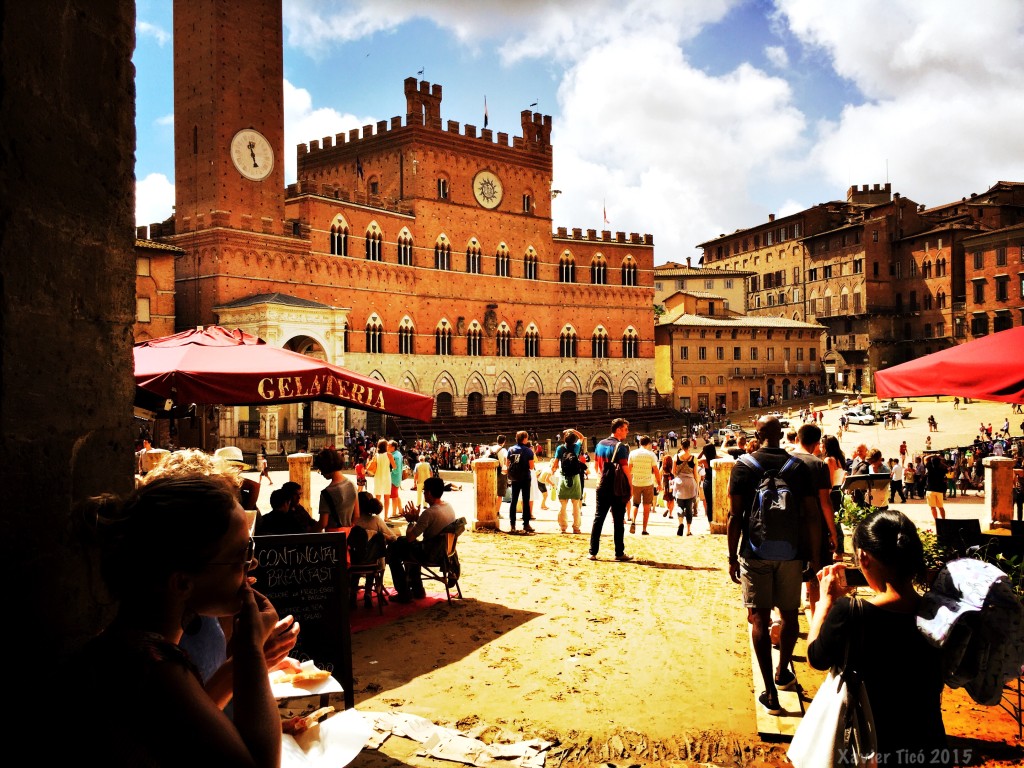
(520, 474)
(772, 505)
(500, 454)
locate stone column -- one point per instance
(270, 420)
(300, 466)
(721, 471)
(485, 478)
(999, 490)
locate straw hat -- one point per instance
(232, 455)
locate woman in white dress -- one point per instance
(380, 467)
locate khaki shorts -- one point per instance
(643, 493)
(771, 583)
(934, 499)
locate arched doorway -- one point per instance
(532, 402)
(475, 404)
(785, 389)
(567, 400)
(599, 400)
(503, 406)
(630, 399)
(443, 403)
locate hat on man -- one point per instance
(232, 455)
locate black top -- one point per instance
(902, 673)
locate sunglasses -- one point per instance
(248, 562)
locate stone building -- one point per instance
(725, 289)
(154, 289)
(415, 251)
(888, 277)
(726, 361)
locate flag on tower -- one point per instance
(359, 168)
(485, 111)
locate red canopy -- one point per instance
(988, 368)
(217, 366)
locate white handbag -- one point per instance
(838, 728)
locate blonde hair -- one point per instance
(192, 461)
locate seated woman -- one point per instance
(178, 548)
(367, 542)
(901, 670)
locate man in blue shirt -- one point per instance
(610, 452)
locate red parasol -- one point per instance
(218, 366)
(988, 368)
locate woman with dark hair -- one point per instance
(833, 457)
(901, 670)
(177, 549)
(707, 454)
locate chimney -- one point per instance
(771, 217)
(687, 261)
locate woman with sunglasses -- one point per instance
(177, 548)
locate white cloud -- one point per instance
(165, 119)
(683, 154)
(776, 54)
(303, 123)
(154, 199)
(945, 104)
(145, 29)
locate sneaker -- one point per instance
(623, 558)
(528, 529)
(786, 680)
(645, 533)
(680, 530)
(632, 527)
(771, 705)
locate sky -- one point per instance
(682, 119)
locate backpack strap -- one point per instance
(749, 460)
(790, 463)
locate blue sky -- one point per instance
(683, 119)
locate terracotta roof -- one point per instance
(738, 321)
(273, 298)
(153, 245)
(675, 270)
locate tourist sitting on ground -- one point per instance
(178, 548)
(429, 523)
(901, 670)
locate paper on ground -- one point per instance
(333, 743)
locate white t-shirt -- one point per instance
(642, 462)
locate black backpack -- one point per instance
(569, 463)
(773, 522)
(518, 466)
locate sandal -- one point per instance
(632, 527)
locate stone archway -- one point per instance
(531, 403)
(444, 404)
(599, 400)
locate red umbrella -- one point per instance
(989, 368)
(217, 366)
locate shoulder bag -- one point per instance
(838, 728)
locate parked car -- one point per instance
(858, 416)
(881, 409)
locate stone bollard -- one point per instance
(721, 471)
(488, 503)
(300, 466)
(999, 490)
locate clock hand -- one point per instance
(252, 151)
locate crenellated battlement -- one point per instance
(562, 233)
(423, 110)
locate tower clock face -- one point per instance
(487, 189)
(252, 154)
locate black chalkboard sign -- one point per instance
(305, 575)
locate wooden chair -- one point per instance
(373, 572)
(444, 565)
